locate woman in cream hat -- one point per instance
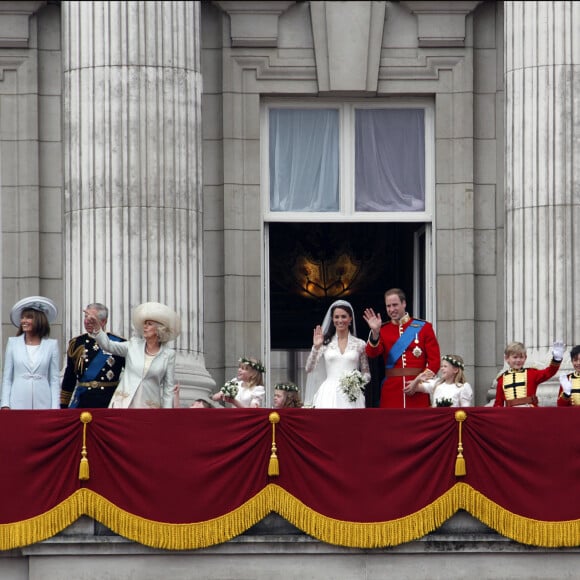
(31, 363)
(148, 379)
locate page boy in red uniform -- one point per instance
(517, 386)
(569, 394)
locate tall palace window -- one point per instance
(348, 159)
(347, 191)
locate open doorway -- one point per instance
(313, 264)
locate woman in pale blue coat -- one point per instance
(148, 379)
(31, 377)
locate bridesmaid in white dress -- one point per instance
(335, 351)
(249, 381)
(449, 389)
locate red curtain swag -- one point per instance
(191, 478)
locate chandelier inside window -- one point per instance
(326, 277)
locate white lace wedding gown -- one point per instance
(329, 394)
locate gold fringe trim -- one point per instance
(44, 526)
(363, 534)
(414, 526)
(178, 536)
(190, 536)
(524, 530)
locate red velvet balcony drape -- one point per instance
(189, 478)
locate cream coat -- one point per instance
(157, 385)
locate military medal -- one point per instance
(417, 352)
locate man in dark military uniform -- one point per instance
(91, 375)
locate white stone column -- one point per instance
(542, 178)
(132, 166)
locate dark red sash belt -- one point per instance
(522, 401)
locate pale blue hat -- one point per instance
(40, 303)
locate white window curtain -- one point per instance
(304, 160)
(390, 160)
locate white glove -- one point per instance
(566, 384)
(558, 350)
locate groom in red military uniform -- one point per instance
(408, 345)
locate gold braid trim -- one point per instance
(65, 397)
(78, 355)
(274, 498)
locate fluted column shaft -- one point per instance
(132, 101)
(542, 92)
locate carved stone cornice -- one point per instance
(427, 68)
(14, 27)
(254, 24)
(441, 24)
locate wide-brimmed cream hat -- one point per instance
(40, 303)
(159, 313)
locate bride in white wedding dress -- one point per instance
(335, 352)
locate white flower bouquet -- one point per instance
(230, 389)
(352, 384)
(444, 402)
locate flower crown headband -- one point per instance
(256, 365)
(286, 387)
(453, 361)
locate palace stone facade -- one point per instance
(131, 168)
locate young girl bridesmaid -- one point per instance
(246, 390)
(449, 389)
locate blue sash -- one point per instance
(404, 341)
(97, 363)
(94, 367)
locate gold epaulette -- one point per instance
(77, 353)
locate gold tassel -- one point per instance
(273, 467)
(460, 470)
(86, 417)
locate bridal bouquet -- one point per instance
(352, 385)
(443, 402)
(230, 389)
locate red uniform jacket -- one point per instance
(574, 399)
(534, 378)
(392, 395)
